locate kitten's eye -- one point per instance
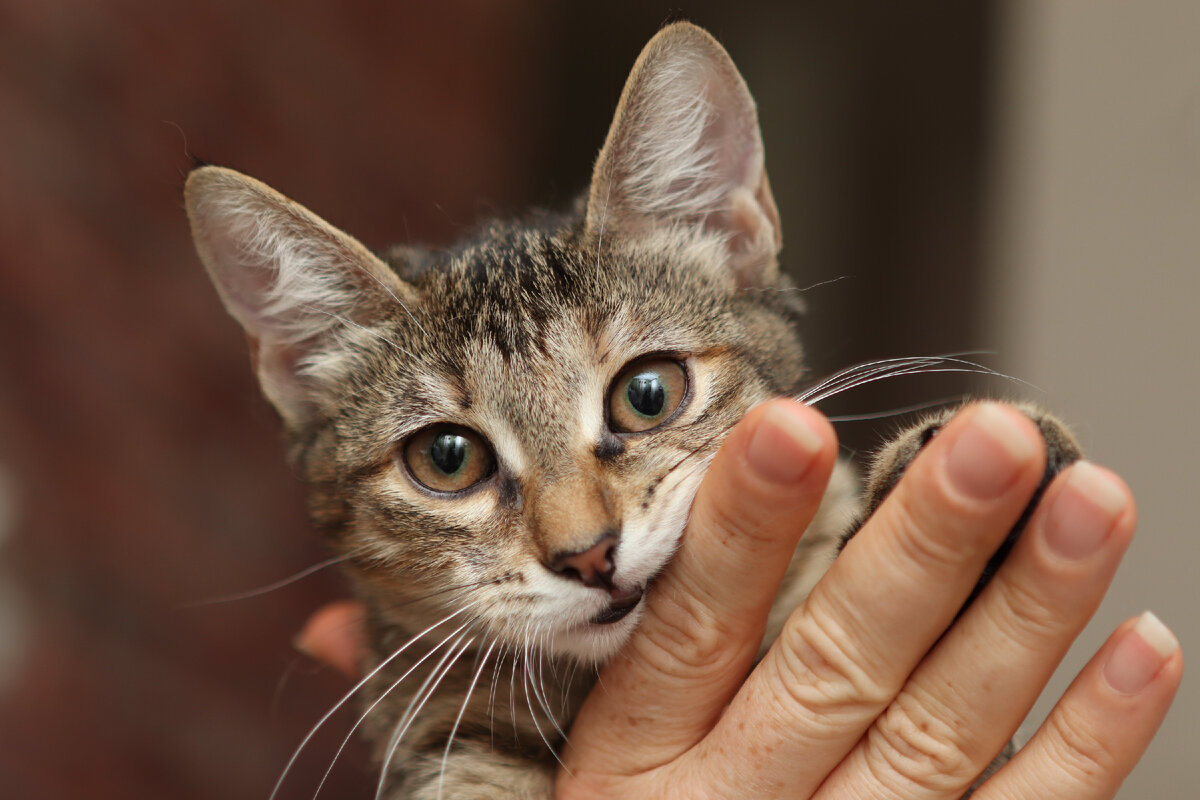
(646, 394)
(447, 458)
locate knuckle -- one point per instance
(1023, 614)
(686, 640)
(1077, 750)
(821, 675)
(916, 533)
(738, 520)
(749, 518)
(909, 746)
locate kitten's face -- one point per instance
(529, 440)
(512, 431)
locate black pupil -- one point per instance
(646, 394)
(448, 452)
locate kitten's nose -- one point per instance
(592, 566)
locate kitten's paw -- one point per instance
(895, 456)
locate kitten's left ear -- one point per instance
(685, 149)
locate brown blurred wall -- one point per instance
(139, 470)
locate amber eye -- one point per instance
(447, 458)
(646, 394)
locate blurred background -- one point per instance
(1021, 178)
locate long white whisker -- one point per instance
(363, 682)
(901, 372)
(866, 378)
(539, 692)
(859, 377)
(496, 670)
(872, 371)
(895, 412)
(458, 720)
(362, 718)
(566, 689)
(270, 587)
(850, 374)
(879, 365)
(525, 682)
(512, 694)
(423, 694)
(833, 379)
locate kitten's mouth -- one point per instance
(623, 601)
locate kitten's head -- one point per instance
(517, 426)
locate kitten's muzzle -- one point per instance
(594, 567)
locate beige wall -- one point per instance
(1096, 282)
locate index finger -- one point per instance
(706, 615)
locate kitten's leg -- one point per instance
(895, 456)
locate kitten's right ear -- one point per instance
(684, 150)
(291, 279)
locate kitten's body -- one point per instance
(520, 343)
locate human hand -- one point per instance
(862, 695)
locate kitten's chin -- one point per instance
(621, 603)
(597, 640)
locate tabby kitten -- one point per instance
(503, 439)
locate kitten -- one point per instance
(503, 439)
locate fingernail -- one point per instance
(1084, 512)
(783, 445)
(987, 456)
(1140, 654)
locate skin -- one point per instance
(862, 695)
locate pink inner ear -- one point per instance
(291, 279)
(685, 149)
(226, 223)
(246, 284)
(278, 368)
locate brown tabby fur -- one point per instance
(518, 333)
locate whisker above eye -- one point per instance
(895, 412)
(878, 365)
(859, 375)
(871, 371)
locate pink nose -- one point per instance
(591, 567)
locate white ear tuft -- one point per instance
(685, 149)
(291, 279)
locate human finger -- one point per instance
(1102, 725)
(705, 616)
(961, 706)
(334, 634)
(848, 650)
